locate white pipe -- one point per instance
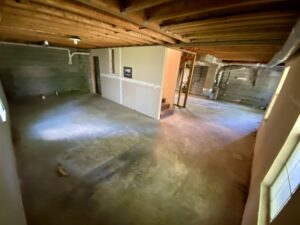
(289, 47)
(76, 53)
(70, 55)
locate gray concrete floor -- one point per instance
(190, 168)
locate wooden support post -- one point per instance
(189, 80)
(180, 83)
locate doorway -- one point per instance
(97, 74)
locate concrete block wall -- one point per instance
(234, 88)
(198, 80)
(30, 71)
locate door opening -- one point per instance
(97, 74)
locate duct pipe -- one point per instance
(70, 55)
(289, 47)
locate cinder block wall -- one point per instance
(245, 92)
(30, 71)
(198, 80)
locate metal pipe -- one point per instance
(289, 47)
(70, 55)
(76, 53)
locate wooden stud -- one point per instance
(181, 82)
(190, 77)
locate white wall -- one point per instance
(104, 61)
(147, 63)
(141, 93)
(11, 207)
(271, 136)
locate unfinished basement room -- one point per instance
(149, 112)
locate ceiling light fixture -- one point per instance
(75, 39)
(45, 43)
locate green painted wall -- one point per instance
(29, 71)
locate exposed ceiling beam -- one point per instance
(229, 43)
(113, 8)
(138, 6)
(185, 10)
(41, 13)
(91, 12)
(243, 19)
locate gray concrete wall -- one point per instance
(198, 80)
(11, 207)
(211, 76)
(271, 136)
(242, 91)
(29, 71)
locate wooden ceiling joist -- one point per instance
(90, 12)
(18, 35)
(75, 20)
(250, 30)
(136, 20)
(189, 8)
(28, 23)
(10, 14)
(269, 42)
(138, 6)
(236, 19)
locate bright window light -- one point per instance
(286, 183)
(2, 112)
(279, 87)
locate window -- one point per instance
(2, 112)
(285, 184)
(279, 87)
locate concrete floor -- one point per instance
(190, 168)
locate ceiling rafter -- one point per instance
(232, 30)
(136, 18)
(249, 18)
(60, 15)
(189, 8)
(138, 6)
(39, 18)
(89, 12)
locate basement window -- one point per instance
(278, 90)
(286, 183)
(2, 112)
